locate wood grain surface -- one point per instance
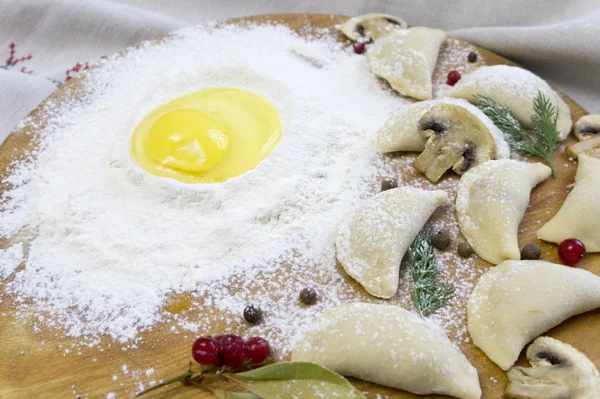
(34, 362)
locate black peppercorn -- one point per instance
(252, 314)
(465, 250)
(440, 239)
(308, 296)
(531, 252)
(388, 184)
(472, 57)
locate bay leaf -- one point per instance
(298, 380)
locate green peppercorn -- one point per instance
(531, 252)
(388, 184)
(472, 57)
(252, 314)
(308, 296)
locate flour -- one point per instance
(108, 242)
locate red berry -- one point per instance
(206, 351)
(571, 251)
(257, 350)
(453, 77)
(233, 350)
(359, 46)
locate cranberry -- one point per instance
(257, 350)
(359, 46)
(571, 251)
(206, 351)
(453, 77)
(233, 350)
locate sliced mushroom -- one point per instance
(587, 126)
(558, 371)
(457, 139)
(589, 147)
(371, 26)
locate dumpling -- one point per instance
(516, 301)
(372, 238)
(490, 203)
(515, 88)
(406, 58)
(401, 131)
(579, 215)
(389, 346)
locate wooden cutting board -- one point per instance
(30, 369)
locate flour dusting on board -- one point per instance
(107, 243)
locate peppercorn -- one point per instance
(440, 239)
(531, 252)
(252, 314)
(472, 57)
(465, 250)
(308, 296)
(388, 184)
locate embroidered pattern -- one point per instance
(13, 60)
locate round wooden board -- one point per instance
(30, 369)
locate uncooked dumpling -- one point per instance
(372, 238)
(389, 346)
(579, 215)
(406, 58)
(516, 301)
(491, 201)
(401, 131)
(515, 88)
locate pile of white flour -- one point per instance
(106, 242)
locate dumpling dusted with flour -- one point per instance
(372, 238)
(579, 216)
(389, 346)
(491, 201)
(406, 58)
(401, 131)
(516, 301)
(515, 88)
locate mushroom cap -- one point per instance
(457, 139)
(371, 26)
(558, 371)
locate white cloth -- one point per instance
(557, 39)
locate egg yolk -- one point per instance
(207, 136)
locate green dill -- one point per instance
(543, 139)
(427, 293)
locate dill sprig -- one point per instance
(427, 293)
(543, 139)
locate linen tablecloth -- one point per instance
(43, 43)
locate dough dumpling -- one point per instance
(516, 301)
(406, 58)
(372, 238)
(579, 215)
(401, 131)
(491, 201)
(515, 88)
(390, 346)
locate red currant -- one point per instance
(359, 46)
(257, 350)
(571, 251)
(453, 77)
(206, 351)
(233, 350)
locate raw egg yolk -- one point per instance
(207, 136)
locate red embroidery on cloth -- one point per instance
(13, 60)
(75, 70)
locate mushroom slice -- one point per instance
(406, 59)
(371, 26)
(558, 371)
(457, 139)
(516, 301)
(372, 238)
(390, 346)
(589, 147)
(587, 126)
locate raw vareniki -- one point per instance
(516, 301)
(390, 346)
(490, 203)
(406, 59)
(515, 88)
(579, 216)
(372, 239)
